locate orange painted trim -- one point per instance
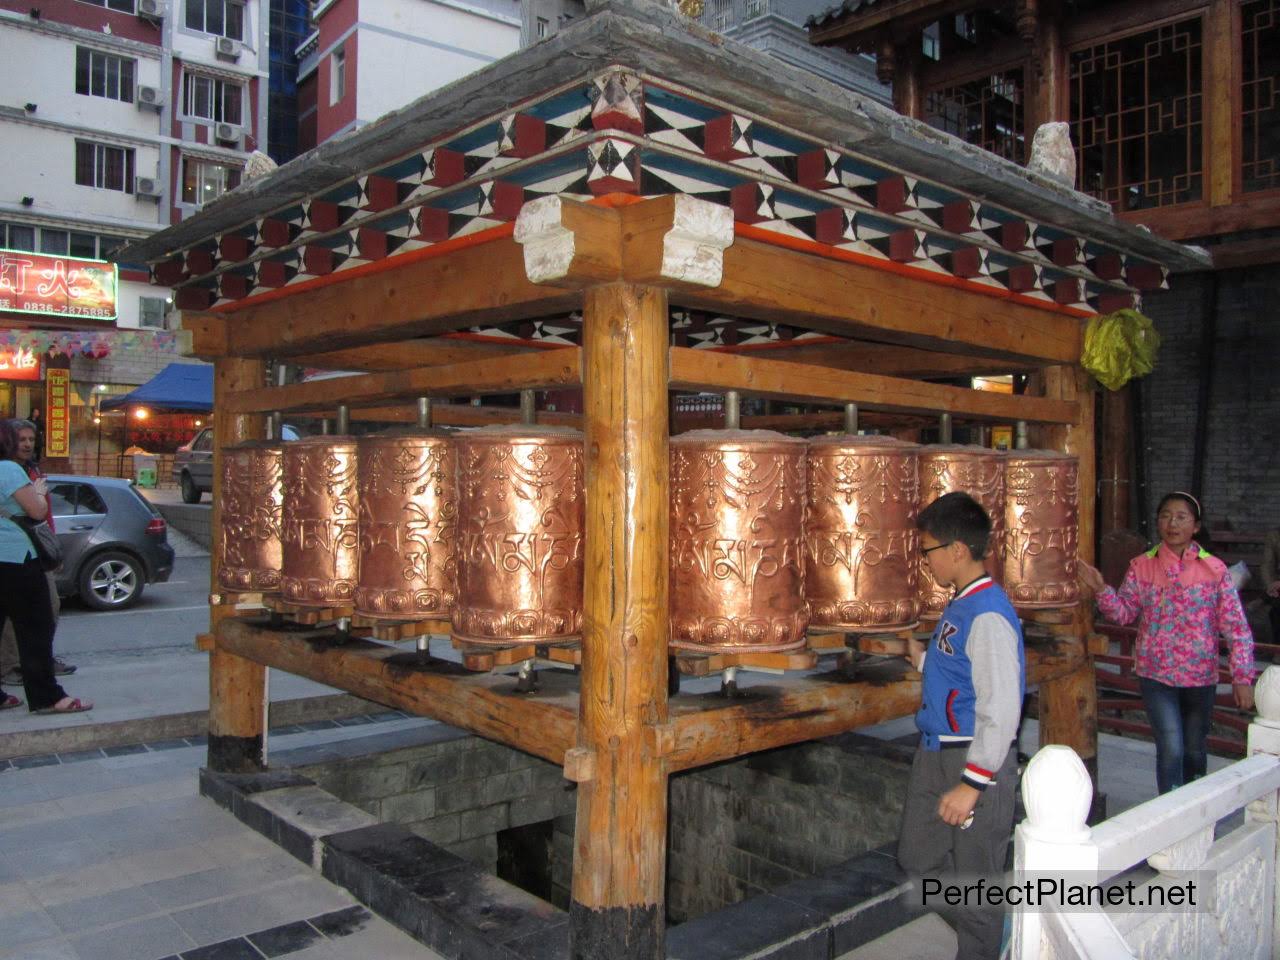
(377, 266)
(902, 269)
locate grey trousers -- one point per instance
(9, 641)
(928, 847)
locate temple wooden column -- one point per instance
(1048, 94)
(1069, 703)
(619, 864)
(237, 687)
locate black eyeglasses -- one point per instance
(925, 551)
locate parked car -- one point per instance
(193, 463)
(114, 542)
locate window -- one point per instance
(337, 75)
(210, 99)
(103, 166)
(987, 111)
(205, 180)
(151, 312)
(84, 245)
(543, 24)
(1260, 106)
(70, 499)
(18, 237)
(53, 242)
(1137, 117)
(122, 6)
(223, 17)
(203, 440)
(100, 74)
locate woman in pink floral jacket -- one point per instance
(1184, 601)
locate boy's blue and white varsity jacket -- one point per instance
(974, 679)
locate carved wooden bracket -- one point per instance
(567, 243)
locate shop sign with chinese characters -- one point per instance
(57, 286)
(57, 386)
(19, 364)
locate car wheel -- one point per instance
(190, 492)
(111, 581)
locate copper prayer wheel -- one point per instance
(251, 501)
(863, 546)
(408, 488)
(321, 556)
(737, 548)
(1042, 527)
(520, 535)
(979, 472)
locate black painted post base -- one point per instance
(616, 933)
(235, 754)
(1098, 805)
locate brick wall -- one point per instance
(1241, 483)
(737, 829)
(747, 827)
(457, 792)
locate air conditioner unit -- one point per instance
(146, 188)
(149, 97)
(226, 48)
(226, 133)
(151, 9)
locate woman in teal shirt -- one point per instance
(24, 590)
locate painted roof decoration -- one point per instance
(800, 162)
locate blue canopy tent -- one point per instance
(179, 387)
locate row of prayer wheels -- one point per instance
(769, 534)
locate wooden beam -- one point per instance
(551, 368)
(619, 868)
(703, 370)
(485, 283)
(1006, 53)
(709, 728)
(890, 360)
(202, 335)
(405, 354)
(486, 704)
(237, 686)
(1187, 221)
(1115, 19)
(464, 415)
(851, 299)
(851, 30)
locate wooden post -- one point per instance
(1069, 704)
(1222, 98)
(908, 99)
(619, 863)
(1048, 96)
(237, 687)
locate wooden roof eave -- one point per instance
(859, 29)
(654, 43)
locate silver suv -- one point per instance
(193, 463)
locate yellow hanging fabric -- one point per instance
(1120, 346)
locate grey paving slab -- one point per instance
(133, 940)
(30, 925)
(77, 916)
(78, 884)
(49, 950)
(234, 916)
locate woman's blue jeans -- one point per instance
(1179, 718)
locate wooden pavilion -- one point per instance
(635, 168)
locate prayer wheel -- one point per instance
(860, 533)
(979, 472)
(1042, 524)
(408, 492)
(520, 535)
(321, 556)
(251, 516)
(737, 549)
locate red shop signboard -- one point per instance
(57, 286)
(19, 364)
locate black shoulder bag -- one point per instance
(43, 540)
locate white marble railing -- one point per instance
(1236, 913)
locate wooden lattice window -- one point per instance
(1260, 100)
(987, 111)
(1137, 117)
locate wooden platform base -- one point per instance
(481, 658)
(242, 601)
(395, 631)
(304, 614)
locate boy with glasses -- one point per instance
(958, 814)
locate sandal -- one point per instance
(68, 705)
(9, 702)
